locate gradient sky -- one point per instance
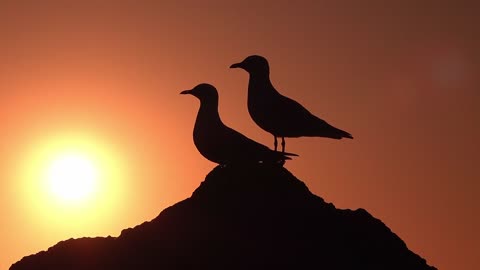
(402, 77)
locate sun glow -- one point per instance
(72, 183)
(72, 177)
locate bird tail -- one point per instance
(289, 154)
(337, 133)
(286, 156)
(344, 134)
(324, 129)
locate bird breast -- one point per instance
(205, 135)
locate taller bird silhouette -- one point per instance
(278, 114)
(221, 144)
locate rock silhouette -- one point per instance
(255, 217)
(277, 114)
(221, 144)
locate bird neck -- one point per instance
(259, 81)
(208, 110)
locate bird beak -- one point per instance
(186, 92)
(237, 65)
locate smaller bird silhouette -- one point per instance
(221, 144)
(278, 114)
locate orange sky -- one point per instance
(401, 77)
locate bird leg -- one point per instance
(283, 144)
(275, 142)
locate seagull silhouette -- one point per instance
(221, 144)
(278, 114)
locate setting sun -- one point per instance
(71, 182)
(72, 177)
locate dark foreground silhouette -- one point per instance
(256, 217)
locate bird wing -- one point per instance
(247, 149)
(289, 117)
(285, 105)
(239, 143)
(298, 118)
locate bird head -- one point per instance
(254, 64)
(203, 91)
